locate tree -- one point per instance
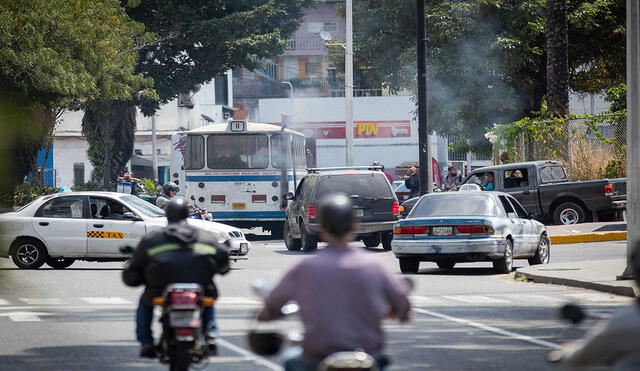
(557, 58)
(486, 58)
(56, 55)
(194, 41)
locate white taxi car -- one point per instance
(61, 228)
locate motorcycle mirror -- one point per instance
(261, 287)
(572, 313)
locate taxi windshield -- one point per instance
(144, 207)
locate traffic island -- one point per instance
(594, 275)
(587, 232)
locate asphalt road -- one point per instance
(82, 318)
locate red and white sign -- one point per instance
(361, 129)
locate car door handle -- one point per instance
(44, 224)
(526, 193)
(98, 225)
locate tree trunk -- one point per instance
(557, 58)
(110, 129)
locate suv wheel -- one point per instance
(308, 241)
(386, 238)
(292, 244)
(409, 265)
(372, 240)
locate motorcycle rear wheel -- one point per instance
(181, 358)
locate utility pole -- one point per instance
(154, 148)
(348, 84)
(424, 145)
(633, 132)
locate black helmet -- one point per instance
(168, 187)
(177, 210)
(335, 213)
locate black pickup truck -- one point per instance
(543, 189)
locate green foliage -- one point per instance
(27, 192)
(149, 185)
(89, 186)
(614, 169)
(617, 96)
(486, 59)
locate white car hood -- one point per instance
(199, 223)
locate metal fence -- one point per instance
(589, 148)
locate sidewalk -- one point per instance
(595, 275)
(587, 232)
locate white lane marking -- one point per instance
(599, 298)
(4, 302)
(106, 300)
(488, 328)
(35, 307)
(424, 300)
(532, 298)
(476, 299)
(42, 301)
(24, 316)
(236, 300)
(255, 358)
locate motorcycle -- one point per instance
(270, 342)
(183, 341)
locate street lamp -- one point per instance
(348, 78)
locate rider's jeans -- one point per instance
(144, 317)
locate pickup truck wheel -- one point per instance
(292, 244)
(29, 254)
(543, 253)
(504, 265)
(59, 263)
(308, 241)
(569, 213)
(372, 241)
(386, 237)
(409, 265)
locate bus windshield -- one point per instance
(233, 151)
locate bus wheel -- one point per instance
(292, 244)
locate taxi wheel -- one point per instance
(29, 253)
(386, 240)
(59, 263)
(505, 264)
(409, 265)
(309, 241)
(292, 244)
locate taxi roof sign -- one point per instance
(237, 125)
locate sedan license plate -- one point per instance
(441, 231)
(238, 205)
(358, 212)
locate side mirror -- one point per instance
(532, 215)
(289, 196)
(127, 250)
(130, 216)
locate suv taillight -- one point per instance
(395, 209)
(608, 189)
(312, 211)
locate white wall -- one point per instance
(331, 152)
(589, 104)
(66, 152)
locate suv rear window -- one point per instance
(370, 185)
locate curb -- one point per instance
(617, 290)
(588, 237)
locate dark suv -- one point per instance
(375, 204)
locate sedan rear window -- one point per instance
(454, 204)
(372, 185)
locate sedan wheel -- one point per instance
(505, 264)
(29, 254)
(543, 253)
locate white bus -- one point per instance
(240, 171)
